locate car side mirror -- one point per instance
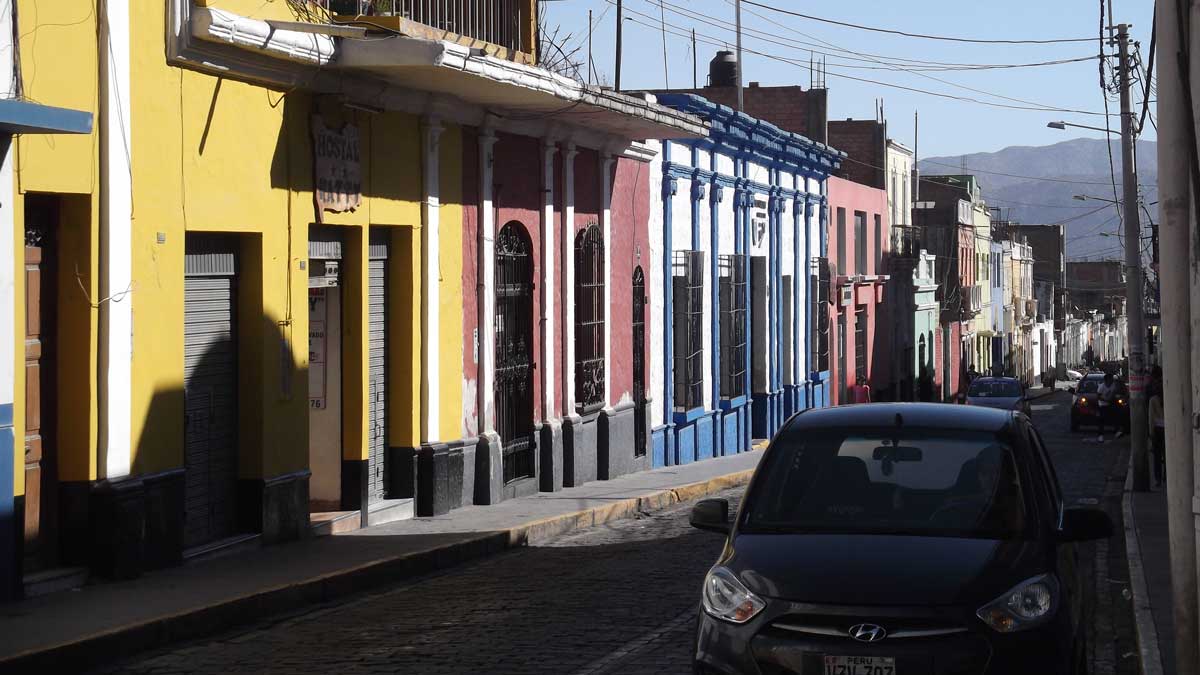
(1085, 525)
(711, 515)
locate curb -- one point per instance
(125, 641)
(1149, 657)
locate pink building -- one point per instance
(859, 248)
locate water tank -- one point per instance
(722, 70)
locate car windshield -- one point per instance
(994, 389)
(1089, 385)
(913, 481)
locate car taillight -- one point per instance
(1082, 401)
(1120, 401)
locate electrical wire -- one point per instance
(914, 35)
(850, 54)
(1147, 81)
(773, 39)
(676, 30)
(1112, 172)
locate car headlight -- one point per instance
(1030, 603)
(725, 597)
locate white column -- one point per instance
(431, 129)
(486, 286)
(568, 283)
(9, 267)
(606, 163)
(116, 243)
(548, 285)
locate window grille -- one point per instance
(732, 269)
(589, 319)
(860, 242)
(819, 327)
(687, 277)
(860, 344)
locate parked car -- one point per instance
(1005, 393)
(1085, 402)
(898, 539)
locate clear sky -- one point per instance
(948, 127)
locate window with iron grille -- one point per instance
(860, 343)
(818, 280)
(589, 319)
(841, 242)
(860, 242)
(687, 279)
(733, 325)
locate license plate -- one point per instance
(860, 665)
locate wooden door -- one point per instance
(40, 471)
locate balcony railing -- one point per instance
(499, 22)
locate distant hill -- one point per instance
(1038, 184)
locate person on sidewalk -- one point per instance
(1107, 395)
(860, 392)
(1158, 431)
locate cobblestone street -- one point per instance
(613, 599)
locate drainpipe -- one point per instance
(1180, 358)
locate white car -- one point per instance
(1074, 375)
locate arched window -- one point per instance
(589, 319)
(514, 350)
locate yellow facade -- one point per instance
(58, 49)
(210, 154)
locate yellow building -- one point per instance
(250, 275)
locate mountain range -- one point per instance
(1036, 185)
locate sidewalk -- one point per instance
(1148, 548)
(102, 622)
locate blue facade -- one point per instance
(753, 190)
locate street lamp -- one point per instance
(1063, 125)
(1084, 198)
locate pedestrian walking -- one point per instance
(1107, 395)
(925, 384)
(1158, 430)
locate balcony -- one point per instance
(502, 28)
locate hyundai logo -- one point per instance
(867, 632)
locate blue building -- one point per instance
(740, 236)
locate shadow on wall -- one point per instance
(232, 439)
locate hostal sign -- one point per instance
(338, 178)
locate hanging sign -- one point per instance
(337, 172)
(317, 316)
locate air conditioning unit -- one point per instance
(847, 296)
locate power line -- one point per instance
(918, 64)
(914, 35)
(677, 31)
(1016, 175)
(773, 39)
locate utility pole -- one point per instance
(589, 66)
(695, 84)
(1135, 318)
(1179, 357)
(738, 18)
(662, 14)
(620, 27)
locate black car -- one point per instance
(1085, 402)
(898, 539)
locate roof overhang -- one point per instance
(23, 117)
(506, 88)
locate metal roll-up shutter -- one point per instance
(210, 389)
(377, 363)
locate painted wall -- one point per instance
(60, 69)
(221, 155)
(470, 283)
(869, 294)
(628, 248)
(517, 194)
